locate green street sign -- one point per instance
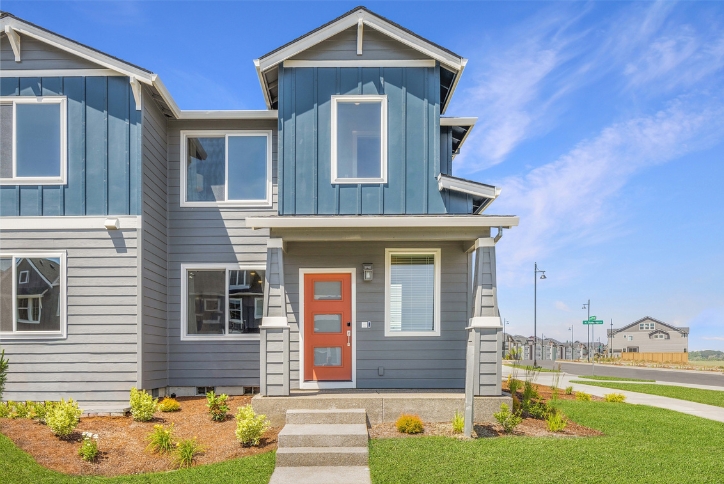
(597, 321)
(592, 318)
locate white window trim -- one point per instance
(184, 301)
(59, 180)
(30, 310)
(437, 259)
(24, 280)
(20, 335)
(382, 99)
(322, 385)
(265, 203)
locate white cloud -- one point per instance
(562, 306)
(563, 203)
(713, 338)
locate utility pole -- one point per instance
(535, 313)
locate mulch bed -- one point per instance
(122, 441)
(529, 427)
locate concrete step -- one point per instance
(321, 474)
(334, 416)
(322, 456)
(323, 435)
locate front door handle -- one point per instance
(349, 336)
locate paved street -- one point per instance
(662, 375)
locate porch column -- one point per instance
(483, 359)
(274, 347)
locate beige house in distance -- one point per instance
(649, 335)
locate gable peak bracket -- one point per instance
(136, 88)
(360, 34)
(14, 39)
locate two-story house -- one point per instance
(321, 243)
(648, 335)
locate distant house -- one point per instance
(649, 335)
(37, 303)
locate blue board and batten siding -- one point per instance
(455, 202)
(413, 96)
(103, 153)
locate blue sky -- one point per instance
(602, 122)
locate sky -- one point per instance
(603, 122)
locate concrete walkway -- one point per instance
(321, 475)
(710, 412)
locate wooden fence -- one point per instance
(657, 357)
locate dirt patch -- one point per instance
(546, 393)
(122, 441)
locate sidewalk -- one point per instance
(692, 408)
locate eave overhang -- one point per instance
(461, 128)
(381, 221)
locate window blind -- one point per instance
(412, 292)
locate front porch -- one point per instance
(381, 405)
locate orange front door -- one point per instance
(327, 327)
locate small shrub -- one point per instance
(186, 452)
(583, 397)
(39, 410)
(89, 447)
(514, 385)
(569, 390)
(614, 397)
(249, 426)
(143, 405)
(458, 423)
(4, 410)
(217, 406)
(409, 424)
(63, 417)
(529, 392)
(169, 405)
(508, 420)
(556, 421)
(20, 409)
(4, 363)
(516, 404)
(538, 410)
(160, 440)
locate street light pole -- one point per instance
(588, 327)
(610, 342)
(535, 313)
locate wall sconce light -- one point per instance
(366, 272)
(112, 224)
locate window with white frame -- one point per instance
(221, 301)
(32, 295)
(32, 140)
(359, 139)
(647, 326)
(226, 168)
(412, 292)
(659, 336)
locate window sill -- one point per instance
(404, 334)
(246, 205)
(359, 181)
(216, 339)
(32, 181)
(30, 336)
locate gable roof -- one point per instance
(453, 63)
(682, 330)
(12, 25)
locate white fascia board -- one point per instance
(59, 72)
(229, 114)
(77, 49)
(465, 186)
(379, 221)
(262, 83)
(167, 97)
(68, 222)
(463, 63)
(458, 121)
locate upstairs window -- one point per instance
(32, 295)
(647, 326)
(359, 139)
(226, 168)
(32, 140)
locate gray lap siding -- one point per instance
(204, 236)
(408, 362)
(98, 361)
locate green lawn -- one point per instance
(612, 378)
(709, 397)
(17, 467)
(641, 445)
